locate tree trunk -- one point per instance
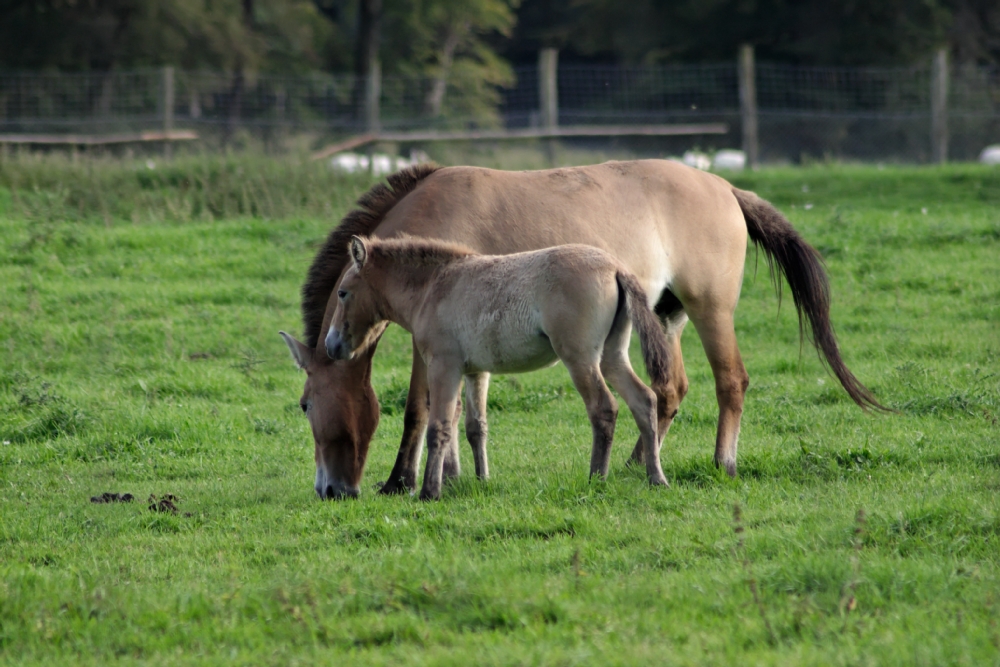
(366, 53)
(435, 98)
(239, 81)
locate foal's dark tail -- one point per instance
(655, 351)
(802, 266)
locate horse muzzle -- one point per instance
(330, 488)
(336, 346)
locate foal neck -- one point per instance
(402, 271)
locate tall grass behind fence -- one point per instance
(854, 113)
(52, 189)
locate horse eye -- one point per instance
(304, 406)
(342, 294)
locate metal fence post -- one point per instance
(748, 104)
(939, 107)
(373, 93)
(168, 108)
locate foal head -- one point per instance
(359, 320)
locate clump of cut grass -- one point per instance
(751, 581)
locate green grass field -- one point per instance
(141, 355)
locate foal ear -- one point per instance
(300, 352)
(359, 251)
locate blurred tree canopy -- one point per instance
(817, 32)
(470, 43)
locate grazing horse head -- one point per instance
(359, 319)
(343, 413)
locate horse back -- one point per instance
(665, 223)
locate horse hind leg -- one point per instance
(476, 390)
(718, 337)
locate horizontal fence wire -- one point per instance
(863, 112)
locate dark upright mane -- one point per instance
(413, 251)
(332, 257)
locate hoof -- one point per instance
(426, 495)
(659, 481)
(395, 487)
(728, 466)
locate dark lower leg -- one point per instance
(403, 477)
(438, 441)
(452, 464)
(668, 398)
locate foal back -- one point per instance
(504, 312)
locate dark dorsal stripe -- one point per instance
(332, 257)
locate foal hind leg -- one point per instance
(670, 395)
(476, 389)
(641, 400)
(602, 410)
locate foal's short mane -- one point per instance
(332, 257)
(413, 251)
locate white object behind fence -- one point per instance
(990, 155)
(729, 160)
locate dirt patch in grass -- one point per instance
(108, 497)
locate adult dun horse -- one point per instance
(474, 314)
(682, 232)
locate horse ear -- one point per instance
(359, 252)
(300, 352)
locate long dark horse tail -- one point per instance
(655, 350)
(802, 266)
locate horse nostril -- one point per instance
(330, 494)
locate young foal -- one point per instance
(475, 314)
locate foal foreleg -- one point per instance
(445, 382)
(403, 477)
(476, 390)
(452, 464)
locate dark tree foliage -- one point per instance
(447, 35)
(828, 32)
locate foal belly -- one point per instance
(499, 349)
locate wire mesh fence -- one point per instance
(848, 113)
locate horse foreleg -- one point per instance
(403, 477)
(668, 396)
(445, 383)
(476, 390)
